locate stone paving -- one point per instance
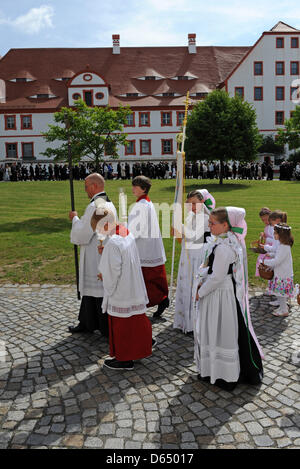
(54, 392)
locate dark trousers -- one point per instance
(91, 316)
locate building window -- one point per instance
(294, 68)
(168, 94)
(76, 96)
(279, 42)
(130, 148)
(144, 119)
(279, 117)
(166, 118)
(99, 95)
(258, 93)
(11, 150)
(258, 68)
(167, 147)
(239, 91)
(26, 122)
(145, 147)
(27, 150)
(279, 68)
(150, 77)
(279, 93)
(10, 123)
(294, 42)
(295, 93)
(130, 120)
(88, 98)
(180, 118)
(291, 114)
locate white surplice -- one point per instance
(190, 259)
(143, 224)
(83, 235)
(125, 293)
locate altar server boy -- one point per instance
(125, 296)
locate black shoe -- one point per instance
(78, 328)
(114, 364)
(225, 385)
(161, 307)
(206, 379)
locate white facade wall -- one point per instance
(155, 132)
(265, 51)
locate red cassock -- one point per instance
(155, 279)
(130, 338)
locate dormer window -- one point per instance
(150, 78)
(62, 79)
(201, 95)
(20, 80)
(184, 77)
(43, 96)
(167, 95)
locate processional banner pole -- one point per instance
(179, 192)
(70, 164)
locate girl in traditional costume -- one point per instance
(226, 348)
(194, 233)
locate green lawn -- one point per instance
(35, 229)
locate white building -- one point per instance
(35, 83)
(268, 76)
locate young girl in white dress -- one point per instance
(271, 245)
(195, 232)
(282, 284)
(226, 348)
(267, 233)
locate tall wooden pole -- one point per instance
(73, 206)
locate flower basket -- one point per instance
(265, 272)
(255, 247)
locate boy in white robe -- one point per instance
(143, 223)
(125, 296)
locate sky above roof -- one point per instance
(91, 23)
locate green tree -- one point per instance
(87, 132)
(222, 128)
(290, 134)
(270, 145)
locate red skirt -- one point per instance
(156, 284)
(130, 338)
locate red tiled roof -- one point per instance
(211, 65)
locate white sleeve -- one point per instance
(82, 232)
(224, 256)
(280, 256)
(110, 268)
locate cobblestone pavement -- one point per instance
(55, 393)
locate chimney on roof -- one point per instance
(192, 43)
(116, 43)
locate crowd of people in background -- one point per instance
(161, 170)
